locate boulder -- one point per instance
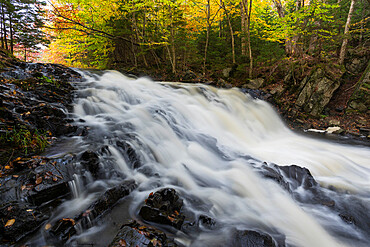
(163, 207)
(18, 220)
(317, 90)
(226, 72)
(248, 238)
(255, 83)
(135, 234)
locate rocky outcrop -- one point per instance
(254, 83)
(360, 100)
(315, 92)
(135, 234)
(163, 207)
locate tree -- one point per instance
(343, 49)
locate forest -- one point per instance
(175, 36)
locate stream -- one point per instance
(229, 156)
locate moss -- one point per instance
(25, 140)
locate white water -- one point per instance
(207, 143)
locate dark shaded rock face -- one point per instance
(135, 234)
(316, 92)
(249, 238)
(19, 220)
(63, 229)
(163, 207)
(349, 208)
(90, 160)
(22, 71)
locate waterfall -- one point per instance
(211, 145)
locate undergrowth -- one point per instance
(25, 140)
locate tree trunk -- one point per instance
(243, 21)
(208, 11)
(280, 10)
(11, 33)
(4, 28)
(248, 12)
(249, 41)
(231, 31)
(1, 27)
(363, 16)
(343, 49)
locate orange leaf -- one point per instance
(39, 180)
(122, 242)
(9, 222)
(47, 226)
(68, 219)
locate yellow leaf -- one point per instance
(48, 226)
(7, 167)
(9, 222)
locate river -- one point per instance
(214, 146)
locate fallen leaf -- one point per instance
(47, 226)
(39, 180)
(9, 222)
(122, 242)
(68, 219)
(7, 167)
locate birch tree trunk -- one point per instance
(343, 49)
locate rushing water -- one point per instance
(210, 144)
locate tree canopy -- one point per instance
(180, 35)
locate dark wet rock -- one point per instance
(135, 234)
(129, 154)
(206, 221)
(42, 180)
(289, 177)
(256, 93)
(44, 193)
(248, 238)
(18, 220)
(274, 174)
(61, 230)
(24, 71)
(302, 186)
(163, 207)
(90, 160)
(298, 176)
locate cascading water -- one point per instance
(213, 146)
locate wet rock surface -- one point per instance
(302, 186)
(163, 207)
(34, 103)
(135, 234)
(63, 229)
(249, 238)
